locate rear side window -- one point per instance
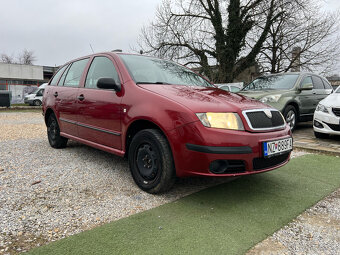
(57, 76)
(62, 79)
(73, 76)
(101, 67)
(317, 83)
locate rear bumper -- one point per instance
(196, 149)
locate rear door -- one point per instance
(319, 91)
(99, 110)
(66, 96)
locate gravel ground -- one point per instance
(47, 194)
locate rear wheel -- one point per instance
(53, 133)
(290, 115)
(151, 161)
(320, 135)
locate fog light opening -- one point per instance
(318, 124)
(219, 166)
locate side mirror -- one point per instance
(108, 83)
(307, 86)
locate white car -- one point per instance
(36, 97)
(327, 116)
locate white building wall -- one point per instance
(17, 71)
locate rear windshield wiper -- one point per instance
(148, 82)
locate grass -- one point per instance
(226, 219)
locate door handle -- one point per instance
(55, 94)
(81, 97)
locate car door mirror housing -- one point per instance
(108, 83)
(307, 86)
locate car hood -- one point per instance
(202, 99)
(30, 96)
(261, 93)
(333, 100)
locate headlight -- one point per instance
(221, 120)
(321, 108)
(270, 99)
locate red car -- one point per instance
(167, 120)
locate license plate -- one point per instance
(277, 147)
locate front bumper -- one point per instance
(329, 122)
(196, 147)
(28, 101)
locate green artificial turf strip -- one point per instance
(226, 219)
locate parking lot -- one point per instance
(47, 194)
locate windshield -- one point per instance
(276, 82)
(147, 70)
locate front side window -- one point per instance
(273, 82)
(75, 72)
(57, 76)
(317, 83)
(148, 70)
(306, 81)
(40, 93)
(101, 67)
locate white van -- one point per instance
(36, 97)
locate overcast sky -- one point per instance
(61, 30)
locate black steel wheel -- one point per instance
(151, 161)
(53, 133)
(290, 115)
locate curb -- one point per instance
(324, 152)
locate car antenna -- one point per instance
(91, 48)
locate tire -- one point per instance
(290, 115)
(36, 102)
(320, 135)
(53, 133)
(151, 163)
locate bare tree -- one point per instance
(27, 57)
(301, 38)
(7, 59)
(210, 32)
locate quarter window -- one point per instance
(326, 84)
(57, 76)
(74, 73)
(101, 67)
(62, 79)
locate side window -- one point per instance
(62, 79)
(317, 83)
(226, 88)
(235, 89)
(305, 81)
(40, 93)
(326, 84)
(101, 67)
(57, 76)
(74, 73)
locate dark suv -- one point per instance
(295, 95)
(167, 120)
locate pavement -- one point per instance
(304, 139)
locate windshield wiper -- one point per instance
(148, 82)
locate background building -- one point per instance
(21, 80)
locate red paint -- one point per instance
(172, 108)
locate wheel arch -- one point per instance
(48, 113)
(295, 105)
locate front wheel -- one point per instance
(151, 163)
(290, 116)
(53, 133)
(36, 102)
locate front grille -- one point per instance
(259, 120)
(336, 111)
(264, 163)
(334, 126)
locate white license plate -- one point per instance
(277, 147)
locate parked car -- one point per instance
(167, 120)
(327, 116)
(230, 87)
(36, 97)
(295, 95)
